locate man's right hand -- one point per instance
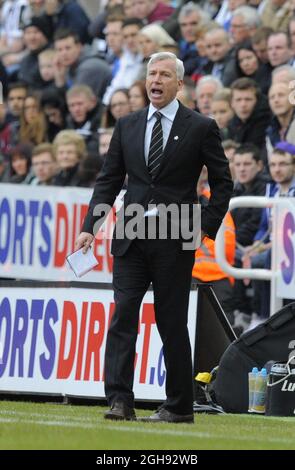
(84, 240)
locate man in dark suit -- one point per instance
(162, 149)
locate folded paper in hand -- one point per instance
(81, 263)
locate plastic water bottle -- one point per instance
(251, 382)
(260, 392)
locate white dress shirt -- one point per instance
(168, 113)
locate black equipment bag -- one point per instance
(273, 340)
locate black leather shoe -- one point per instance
(166, 416)
(120, 411)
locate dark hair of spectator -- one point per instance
(276, 33)
(141, 85)
(245, 83)
(54, 99)
(16, 86)
(33, 132)
(108, 119)
(250, 148)
(244, 46)
(133, 21)
(229, 144)
(64, 33)
(115, 14)
(261, 34)
(23, 151)
(42, 148)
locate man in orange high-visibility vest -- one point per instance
(206, 268)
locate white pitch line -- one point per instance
(136, 429)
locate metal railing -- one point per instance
(257, 273)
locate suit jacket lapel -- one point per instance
(179, 128)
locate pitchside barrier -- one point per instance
(53, 333)
(282, 272)
(52, 339)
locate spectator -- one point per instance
(151, 10)
(114, 40)
(11, 36)
(190, 18)
(17, 93)
(222, 110)
(76, 65)
(282, 170)
(283, 73)
(54, 106)
(138, 98)
(276, 14)
(221, 64)
(252, 114)
(32, 122)
(244, 23)
(37, 34)
(20, 164)
(259, 43)
(69, 148)
(248, 65)
(46, 60)
(187, 94)
(88, 171)
(206, 268)
(130, 61)
(205, 90)
(282, 125)
(43, 164)
(248, 167)
(70, 15)
(85, 114)
(4, 170)
(119, 106)
(229, 147)
(278, 49)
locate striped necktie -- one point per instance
(156, 146)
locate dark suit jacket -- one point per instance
(198, 144)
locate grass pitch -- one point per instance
(51, 426)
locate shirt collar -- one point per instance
(168, 111)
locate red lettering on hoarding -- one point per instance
(69, 319)
(148, 319)
(81, 341)
(62, 228)
(95, 339)
(83, 212)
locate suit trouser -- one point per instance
(163, 263)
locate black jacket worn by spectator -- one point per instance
(247, 219)
(88, 128)
(29, 70)
(90, 70)
(254, 128)
(70, 15)
(68, 177)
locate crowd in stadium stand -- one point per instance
(67, 79)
